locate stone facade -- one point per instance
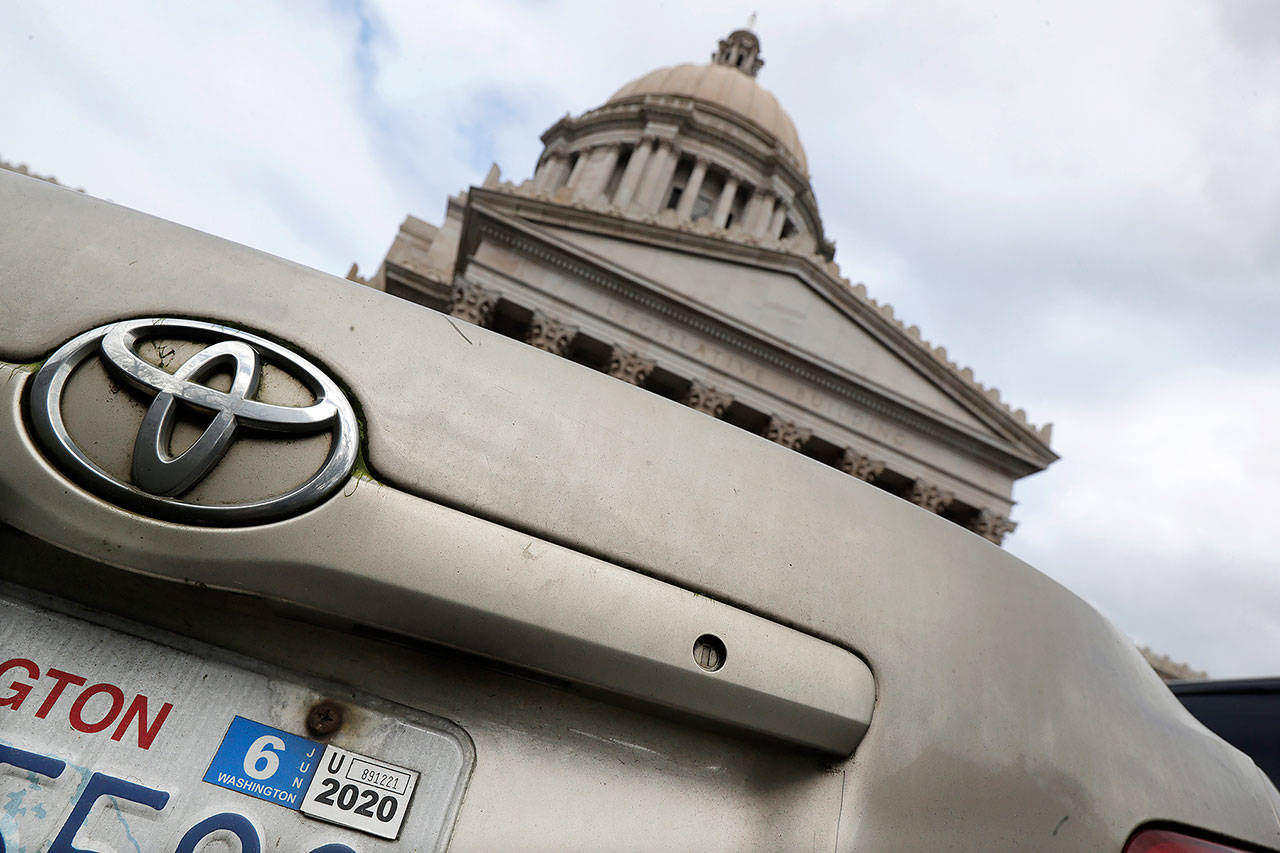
(671, 238)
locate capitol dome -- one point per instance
(726, 86)
(700, 148)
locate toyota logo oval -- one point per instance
(158, 480)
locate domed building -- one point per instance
(671, 238)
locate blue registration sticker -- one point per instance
(265, 762)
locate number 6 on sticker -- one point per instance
(264, 762)
(260, 762)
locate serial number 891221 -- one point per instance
(379, 777)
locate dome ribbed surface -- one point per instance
(725, 87)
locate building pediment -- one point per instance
(778, 306)
(787, 303)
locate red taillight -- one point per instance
(1167, 841)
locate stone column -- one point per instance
(631, 176)
(724, 205)
(598, 170)
(544, 180)
(779, 217)
(578, 168)
(550, 335)
(750, 212)
(707, 399)
(629, 367)
(991, 526)
(859, 465)
(929, 496)
(473, 303)
(756, 217)
(786, 433)
(685, 208)
(657, 178)
(541, 173)
(561, 175)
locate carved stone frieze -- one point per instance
(549, 334)
(786, 433)
(929, 496)
(473, 303)
(989, 525)
(706, 399)
(860, 465)
(629, 367)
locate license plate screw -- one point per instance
(324, 718)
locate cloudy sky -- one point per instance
(1079, 199)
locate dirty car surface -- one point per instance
(550, 611)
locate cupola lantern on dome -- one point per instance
(699, 147)
(741, 50)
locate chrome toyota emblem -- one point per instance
(158, 480)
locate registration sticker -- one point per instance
(351, 790)
(264, 762)
(321, 781)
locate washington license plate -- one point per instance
(113, 742)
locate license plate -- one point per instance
(113, 742)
